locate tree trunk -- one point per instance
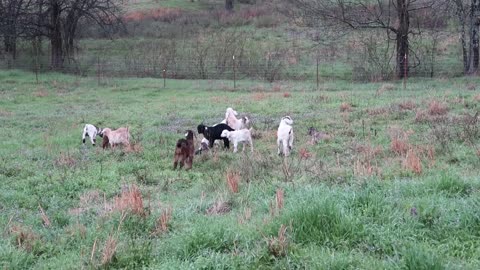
(229, 5)
(10, 43)
(402, 38)
(474, 36)
(56, 40)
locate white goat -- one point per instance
(233, 122)
(237, 136)
(92, 132)
(116, 137)
(285, 136)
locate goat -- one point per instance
(233, 122)
(116, 137)
(92, 132)
(317, 135)
(285, 136)
(237, 136)
(184, 151)
(203, 147)
(214, 133)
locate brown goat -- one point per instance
(184, 151)
(116, 137)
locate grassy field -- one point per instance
(396, 186)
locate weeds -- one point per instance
(233, 179)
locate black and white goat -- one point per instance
(214, 133)
(285, 136)
(239, 136)
(91, 131)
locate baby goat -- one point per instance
(203, 147)
(285, 136)
(236, 136)
(116, 137)
(92, 132)
(317, 135)
(184, 151)
(233, 122)
(214, 133)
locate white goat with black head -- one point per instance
(91, 131)
(285, 136)
(233, 122)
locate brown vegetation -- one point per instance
(130, 200)
(233, 179)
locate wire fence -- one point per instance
(314, 70)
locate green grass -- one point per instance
(351, 204)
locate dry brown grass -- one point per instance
(220, 207)
(257, 88)
(407, 105)
(246, 216)
(399, 144)
(133, 148)
(130, 200)
(5, 113)
(365, 168)
(277, 88)
(233, 179)
(40, 93)
(278, 246)
(412, 162)
(161, 225)
(345, 107)
(437, 108)
(383, 88)
(378, 111)
(258, 96)
(279, 198)
(109, 250)
(303, 153)
(45, 219)
(164, 14)
(24, 237)
(65, 160)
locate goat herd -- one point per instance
(230, 130)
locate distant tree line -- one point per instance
(400, 20)
(58, 21)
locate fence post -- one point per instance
(318, 80)
(405, 74)
(36, 59)
(234, 73)
(98, 70)
(164, 76)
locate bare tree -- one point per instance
(58, 20)
(229, 5)
(468, 15)
(393, 16)
(14, 23)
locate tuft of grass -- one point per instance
(437, 108)
(452, 185)
(416, 257)
(323, 222)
